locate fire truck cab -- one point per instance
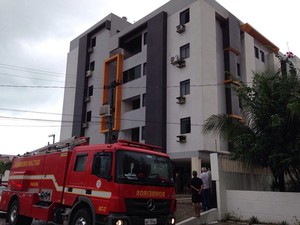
(74, 183)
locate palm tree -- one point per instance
(268, 131)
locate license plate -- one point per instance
(150, 221)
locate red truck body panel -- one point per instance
(52, 181)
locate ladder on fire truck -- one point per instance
(64, 145)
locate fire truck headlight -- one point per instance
(121, 222)
(172, 221)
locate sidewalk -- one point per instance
(185, 214)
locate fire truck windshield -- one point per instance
(146, 169)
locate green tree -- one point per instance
(268, 132)
(5, 166)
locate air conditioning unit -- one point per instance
(180, 100)
(85, 125)
(104, 111)
(180, 28)
(89, 73)
(181, 63)
(87, 99)
(181, 138)
(90, 50)
(175, 59)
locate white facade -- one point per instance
(218, 43)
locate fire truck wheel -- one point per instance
(82, 217)
(13, 217)
(13, 214)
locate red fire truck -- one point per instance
(74, 183)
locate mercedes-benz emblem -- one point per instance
(150, 205)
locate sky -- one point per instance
(34, 42)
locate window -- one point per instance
(102, 165)
(93, 42)
(143, 100)
(145, 69)
(184, 17)
(132, 46)
(136, 104)
(92, 66)
(262, 56)
(135, 134)
(238, 67)
(143, 132)
(136, 168)
(185, 51)
(145, 38)
(132, 74)
(88, 116)
(91, 90)
(80, 162)
(185, 87)
(256, 52)
(185, 125)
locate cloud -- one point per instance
(35, 37)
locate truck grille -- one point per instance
(147, 206)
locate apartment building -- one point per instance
(157, 80)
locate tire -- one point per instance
(82, 217)
(13, 217)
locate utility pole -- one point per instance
(53, 136)
(112, 86)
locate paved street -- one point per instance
(184, 211)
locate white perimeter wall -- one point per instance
(266, 206)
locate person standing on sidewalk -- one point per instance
(196, 188)
(206, 196)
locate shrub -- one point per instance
(254, 220)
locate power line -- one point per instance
(49, 73)
(32, 78)
(31, 119)
(128, 87)
(79, 123)
(33, 86)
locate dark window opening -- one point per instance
(238, 67)
(184, 17)
(145, 69)
(256, 52)
(143, 133)
(133, 47)
(88, 116)
(135, 134)
(143, 100)
(93, 42)
(185, 51)
(185, 87)
(92, 66)
(185, 125)
(262, 56)
(91, 90)
(132, 74)
(145, 38)
(136, 104)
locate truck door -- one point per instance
(77, 176)
(100, 180)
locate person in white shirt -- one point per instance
(206, 193)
